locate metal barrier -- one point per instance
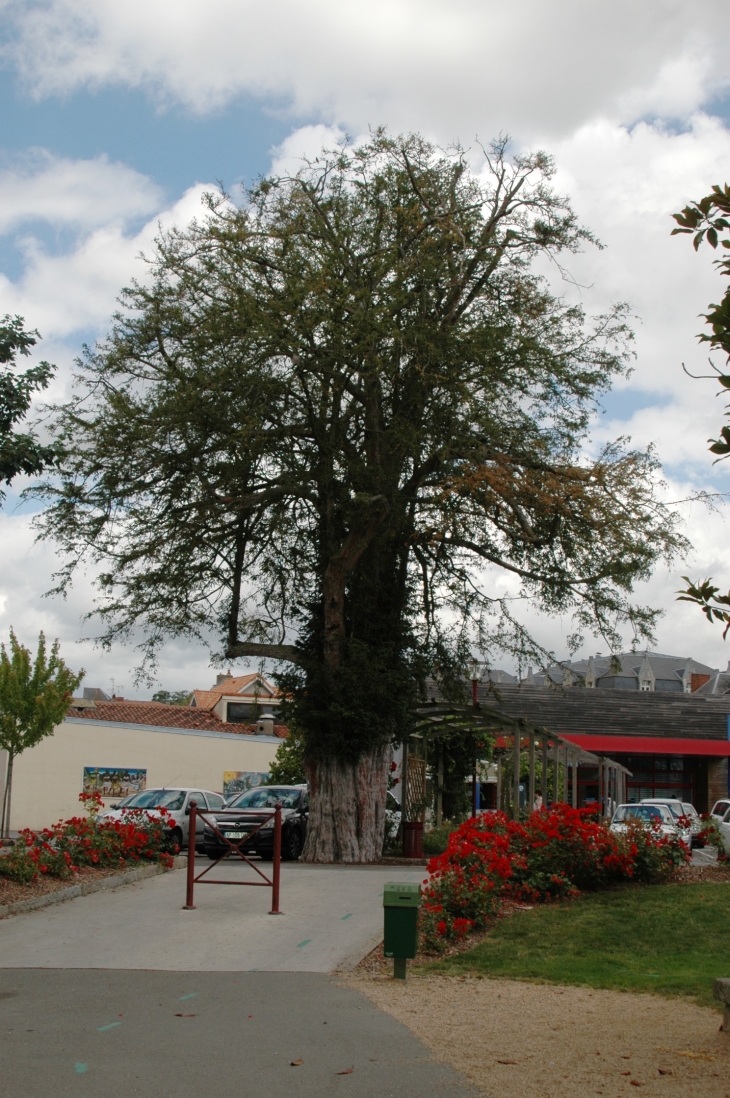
(234, 848)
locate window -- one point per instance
(215, 800)
(238, 713)
(199, 799)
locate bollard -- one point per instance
(277, 862)
(189, 905)
(400, 924)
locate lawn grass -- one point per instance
(673, 939)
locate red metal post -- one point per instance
(277, 862)
(189, 905)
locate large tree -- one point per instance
(328, 423)
(20, 451)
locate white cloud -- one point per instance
(450, 67)
(78, 193)
(76, 290)
(304, 143)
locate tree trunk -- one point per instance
(347, 808)
(5, 822)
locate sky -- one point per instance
(114, 118)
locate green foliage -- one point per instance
(20, 453)
(34, 697)
(670, 939)
(34, 693)
(330, 410)
(288, 765)
(172, 697)
(436, 840)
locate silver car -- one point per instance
(681, 821)
(647, 815)
(176, 802)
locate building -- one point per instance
(648, 672)
(113, 746)
(674, 743)
(242, 699)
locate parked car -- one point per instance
(682, 821)
(724, 829)
(719, 808)
(245, 812)
(696, 825)
(392, 816)
(649, 815)
(174, 801)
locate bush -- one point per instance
(61, 850)
(552, 855)
(436, 840)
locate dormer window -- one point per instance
(645, 685)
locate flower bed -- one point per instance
(60, 851)
(550, 856)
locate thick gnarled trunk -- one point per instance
(347, 808)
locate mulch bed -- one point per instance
(11, 892)
(693, 874)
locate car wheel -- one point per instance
(176, 839)
(213, 854)
(291, 844)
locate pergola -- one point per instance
(521, 736)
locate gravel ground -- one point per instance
(515, 1040)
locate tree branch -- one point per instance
(287, 652)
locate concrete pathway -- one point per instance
(333, 917)
(222, 1035)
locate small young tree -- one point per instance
(34, 697)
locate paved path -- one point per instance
(97, 1033)
(333, 917)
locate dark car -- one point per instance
(245, 812)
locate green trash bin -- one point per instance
(400, 919)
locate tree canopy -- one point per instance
(19, 452)
(326, 413)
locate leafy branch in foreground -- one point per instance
(714, 606)
(707, 220)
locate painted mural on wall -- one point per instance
(113, 781)
(238, 781)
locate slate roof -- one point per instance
(165, 716)
(665, 669)
(610, 713)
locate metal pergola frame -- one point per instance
(437, 717)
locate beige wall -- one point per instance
(48, 778)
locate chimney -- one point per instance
(222, 678)
(265, 725)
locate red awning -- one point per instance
(650, 745)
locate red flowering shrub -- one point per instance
(550, 856)
(60, 850)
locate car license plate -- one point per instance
(235, 834)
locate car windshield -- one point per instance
(644, 812)
(267, 797)
(171, 799)
(689, 810)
